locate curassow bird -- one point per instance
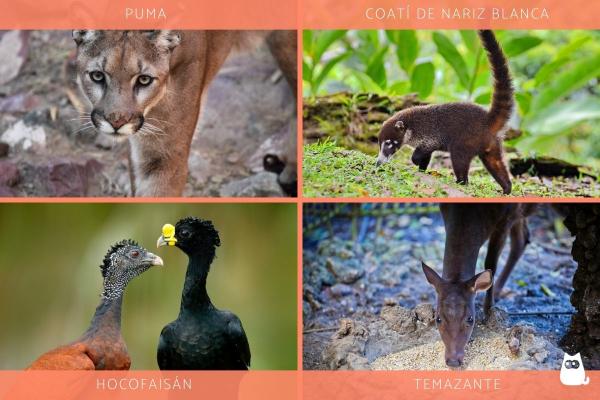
(102, 347)
(202, 337)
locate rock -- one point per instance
(7, 192)
(399, 319)
(425, 313)
(4, 149)
(355, 362)
(343, 273)
(14, 47)
(263, 184)
(25, 136)
(66, 178)
(19, 103)
(346, 345)
(9, 174)
(340, 290)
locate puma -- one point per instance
(147, 86)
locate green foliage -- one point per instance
(555, 75)
(332, 171)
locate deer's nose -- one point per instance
(453, 362)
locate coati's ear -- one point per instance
(164, 39)
(84, 36)
(399, 125)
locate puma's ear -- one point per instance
(399, 125)
(164, 39)
(84, 36)
(432, 277)
(481, 281)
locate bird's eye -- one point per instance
(438, 320)
(135, 254)
(144, 80)
(97, 76)
(470, 320)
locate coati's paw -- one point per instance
(506, 189)
(462, 181)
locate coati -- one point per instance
(465, 130)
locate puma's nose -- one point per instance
(118, 120)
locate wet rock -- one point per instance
(263, 184)
(342, 273)
(9, 174)
(340, 290)
(25, 137)
(14, 48)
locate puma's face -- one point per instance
(124, 74)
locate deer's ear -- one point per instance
(432, 277)
(481, 281)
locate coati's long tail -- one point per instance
(502, 100)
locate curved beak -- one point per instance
(154, 260)
(161, 242)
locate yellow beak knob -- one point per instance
(168, 232)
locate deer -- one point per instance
(468, 227)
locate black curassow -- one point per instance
(202, 337)
(102, 346)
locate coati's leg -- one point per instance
(421, 158)
(494, 163)
(460, 165)
(519, 238)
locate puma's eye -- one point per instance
(470, 320)
(438, 320)
(97, 76)
(144, 80)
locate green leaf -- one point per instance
(546, 290)
(324, 40)
(520, 45)
(367, 84)
(563, 115)
(563, 56)
(307, 42)
(407, 47)
(524, 102)
(579, 73)
(521, 283)
(484, 98)
(306, 71)
(421, 80)
(376, 67)
(447, 50)
(325, 71)
(398, 88)
(470, 39)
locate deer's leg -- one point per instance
(495, 246)
(519, 238)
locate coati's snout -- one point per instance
(390, 140)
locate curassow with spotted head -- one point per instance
(102, 347)
(202, 337)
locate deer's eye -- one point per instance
(470, 320)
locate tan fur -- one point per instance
(184, 63)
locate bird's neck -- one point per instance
(194, 295)
(107, 317)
